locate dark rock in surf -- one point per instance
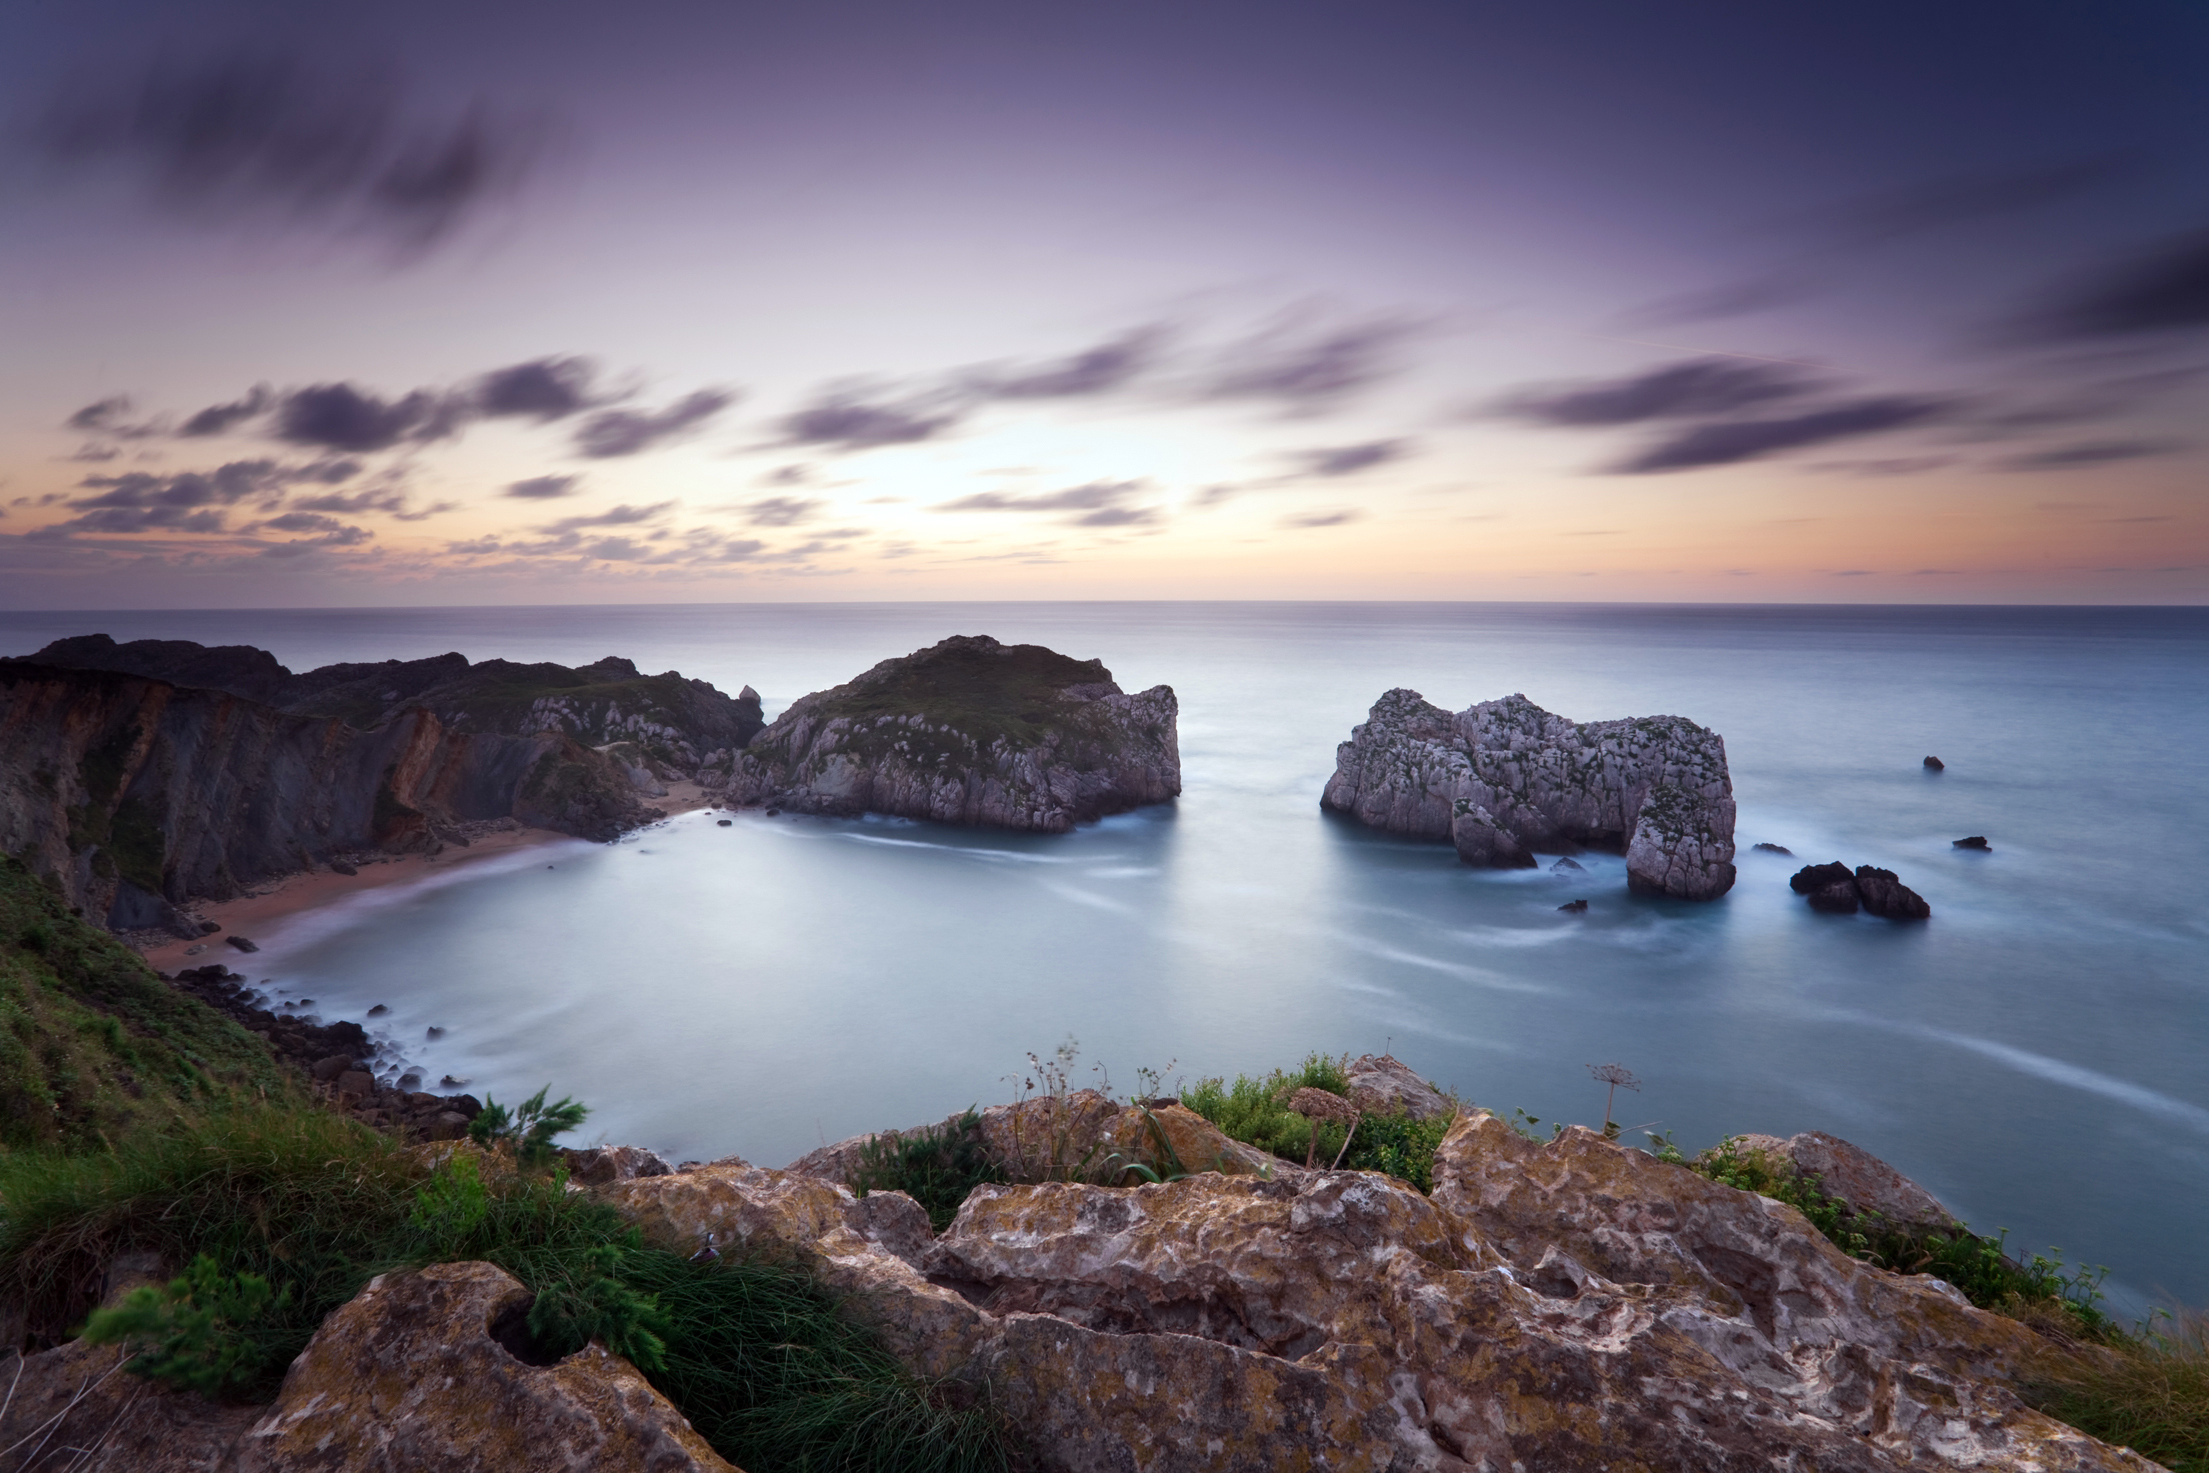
(1839, 898)
(722, 823)
(1976, 841)
(1568, 865)
(241, 943)
(1817, 876)
(1574, 907)
(1774, 849)
(1504, 778)
(1934, 764)
(1884, 894)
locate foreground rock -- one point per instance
(1505, 778)
(1560, 1305)
(1854, 1177)
(1837, 889)
(970, 731)
(137, 791)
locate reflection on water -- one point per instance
(2032, 1055)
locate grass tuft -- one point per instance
(936, 1167)
(2148, 1392)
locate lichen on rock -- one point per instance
(1505, 778)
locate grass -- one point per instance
(92, 1043)
(937, 1166)
(283, 1212)
(1011, 695)
(1256, 1112)
(2148, 1392)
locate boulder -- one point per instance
(1817, 876)
(1934, 764)
(969, 731)
(242, 943)
(1839, 898)
(1854, 1177)
(1386, 1085)
(1773, 849)
(1505, 778)
(1976, 841)
(598, 1165)
(1568, 866)
(74, 1407)
(414, 1372)
(1884, 894)
(1574, 907)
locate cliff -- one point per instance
(137, 793)
(1505, 778)
(970, 731)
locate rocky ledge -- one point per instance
(1505, 778)
(969, 731)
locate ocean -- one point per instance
(2034, 1055)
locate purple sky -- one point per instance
(414, 303)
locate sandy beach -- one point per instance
(260, 908)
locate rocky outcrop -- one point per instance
(1569, 1304)
(137, 795)
(1837, 889)
(1854, 1177)
(1504, 778)
(1385, 1085)
(969, 731)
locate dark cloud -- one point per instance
(1320, 518)
(1094, 496)
(849, 420)
(788, 475)
(781, 511)
(620, 516)
(1122, 516)
(1348, 460)
(224, 486)
(125, 520)
(299, 521)
(628, 431)
(2092, 452)
(543, 488)
(1728, 442)
(102, 418)
(2165, 290)
(215, 419)
(96, 454)
(1893, 465)
(387, 500)
(1694, 386)
(1098, 370)
(265, 137)
(342, 417)
(1309, 369)
(544, 390)
(334, 534)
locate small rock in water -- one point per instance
(1774, 849)
(378, 1011)
(434, 1032)
(1976, 841)
(208, 928)
(449, 1082)
(773, 812)
(1565, 864)
(241, 943)
(1839, 898)
(306, 1002)
(1817, 876)
(410, 1081)
(722, 823)
(340, 867)
(1935, 764)
(1884, 894)
(1574, 906)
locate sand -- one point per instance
(294, 894)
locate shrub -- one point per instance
(206, 1331)
(937, 1166)
(1256, 1111)
(528, 1128)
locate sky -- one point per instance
(472, 302)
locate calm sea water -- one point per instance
(2035, 1055)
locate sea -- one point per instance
(2036, 1055)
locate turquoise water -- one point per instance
(2033, 1055)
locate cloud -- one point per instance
(334, 534)
(342, 417)
(1320, 518)
(263, 137)
(1098, 370)
(542, 488)
(1094, 496)
(544, 389)
(1122, 516)
(299, 521)
(1728, 442)
(788, 475)
(216, 419)
(1961, 199)
(781, 511)
(188, 501)
(1744, 298)
(96, 454)
(1894, 465)
(388, 500)
(848, 419)
(1694, 386)
(2163, 290)
(126, 520)
(1309, 369)
(1348, 460)
(628, 431)
(620, 516)
(106, 418)
(2092, 452)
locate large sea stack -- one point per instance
(970, 731)
(141, 776)
(1505, 778)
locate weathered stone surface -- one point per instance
(1386, 1085)
(74, 1407)
(1505, 778)
(1834, 887)
(1854, 1177)
(409, 1376)
(597, 1165)
(970, 731)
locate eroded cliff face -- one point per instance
(970, 731)
(137, 794)
(1505, 778)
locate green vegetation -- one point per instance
(1256, 1112)
(528, 1129)
(936, 1167)
(283, 1212)
(92, 1044)
(1011, 694)
(2148, 1392)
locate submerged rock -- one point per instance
(1835, 887)
(1976, 841)
(969, 731)
(1773, 849)
(1505, 778)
